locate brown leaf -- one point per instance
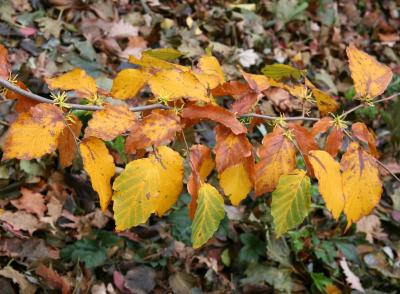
(246, 103)
(214, 113)
(110, 122)
(67, 145)
(31, 202)
(232, 88)
(30, 250)
(155, 129)
(53, 279)
(21, 220)
(5, 67)
(361, 132)
(24, 286)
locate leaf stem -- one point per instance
(269, 117)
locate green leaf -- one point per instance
(291, 201)
(253, 248)
(181, 228)
(279, 71)
(87, 251)
(209, 213)
(164, 53)
(320, 281)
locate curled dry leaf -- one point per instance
(362, 187)
(146, 186)
(202, 164)
(214, 113)
(41, 127)
(67, 143)
(209, 72)
(277, 157)
(334, 141)
(351, 278)
(361, 132)
(172, 84)
(21, 220)
(128, 83)
(109, 123)
(76, 80)
(370, 77)
(99, 165)
(327, 171)
(155, 129)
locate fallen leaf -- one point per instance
(24, 286)
(53, 279)
(31, 202)
(352, 280)
(21, 220)
(371, 226)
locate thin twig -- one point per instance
(33, 96)
(363, 105)
(4, 123)
(269, 117)
(387, 169)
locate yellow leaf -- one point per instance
(147, 186)
(327, 171)
(173, 84)
(150, 62)
(370, 77)
(99, 165)
(34, 133)
(110, 122)
(236, 183)
(128, 83)
(325, 102)
(170, 170)
(257, 83)
(362, 187)
(210, 73)
(76, 79)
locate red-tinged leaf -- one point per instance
(321, 126)
(67, 146)
(155, 129)
(306, 143)
(214, 113)
(23, 104)
(202, 164)
(246, 103)
(5, 67)
(232, 88)
(230, 149)
(277, 158)
(257, 83)
(361, 132)
(53, 279)
(334, 141)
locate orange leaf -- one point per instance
(128, 83)
(360, 131)
(362, 187)
(321, 126)
(277, 157)
(67, 145)
(53, 279)
(109, 123)
(99, 165)
(370, 77)
(76, 80)
(5, 67)
(156, 129)
(232, 88)
(257, 83)
(334, 141)
(23, 104)
(202, 164)
(306, 143)
(34, 133)
(230, 149)
(246, 103)
(214, 113)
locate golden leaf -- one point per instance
(362, 187)
(34, 133)
(174, 84)
(110, 122)
(128, 83)
(99, 165)
(76, 79)
(149, 62)
(277, 157)
(327, 171)
(209, 72)
(257, 83)
(236, 182)
(370, 77)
